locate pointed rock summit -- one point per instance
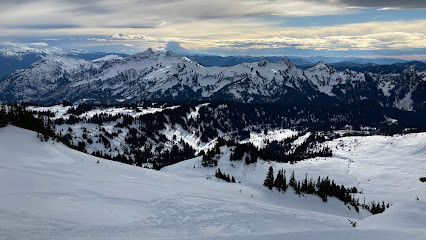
(151, 51)
(171, 54)
(285, 61)
(321, 65)
(145, 54)
(262, 62)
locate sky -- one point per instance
(341, 28)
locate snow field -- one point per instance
(49, 191)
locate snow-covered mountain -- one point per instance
(12, 59)
(152, 75)
(52, 192)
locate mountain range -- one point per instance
(14, 59)
(153, 75)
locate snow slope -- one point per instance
(260, 139)
(384, 168)
(49, 191)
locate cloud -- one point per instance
(39, 44)
(401, 4)
(363, 36)
(45, 26)
(146, 13)
(22, 47)
(240, 36)
(142, 14)
(238, 25)
(130, 37)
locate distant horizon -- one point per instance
(193, 53)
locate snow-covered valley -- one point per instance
(49, 191)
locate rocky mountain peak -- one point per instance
(262, 62)
(321, 65)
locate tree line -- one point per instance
(18, 116)
(323, 188)
(224, 176)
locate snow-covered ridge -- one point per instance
(326, 78)
(107, 58)
(60, 111)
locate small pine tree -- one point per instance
(247, 160)
(304, 185)
(284, 182)
(298, 187)
(277, 182)
(292, 182)
(3, 116)
(219, 173)
(269, 180)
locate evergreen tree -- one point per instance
(292, 182)
(247, 160)
(3, 116)
(278, 180)
(304, 185)
(269, 180)
(298, 187)
(284, 182)
(311, 187)
(219, 173)
(281, 182)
